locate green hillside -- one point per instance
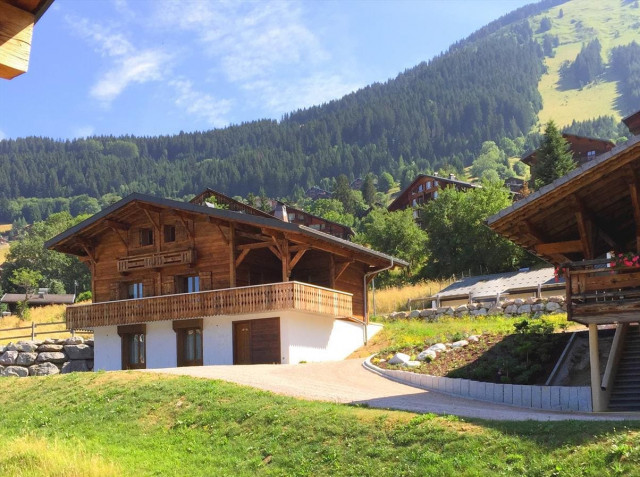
(614, 23)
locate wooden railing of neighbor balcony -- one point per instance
(597, 293)
(228, 301)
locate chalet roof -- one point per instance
(571, 138)
(232, 203)
(58, 242)
(445, 180)
(598, 193)
(39, 299)
(484, 286)
(36, 7)
(297, 210)
(633, 123)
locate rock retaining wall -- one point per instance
(42, 358)
(548, 398)
(533, 306)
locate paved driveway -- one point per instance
(348, 382)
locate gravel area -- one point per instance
(348, 382)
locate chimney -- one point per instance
(452, 177)
(281, 212)
(435, 174)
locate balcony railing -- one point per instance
(156, 260)
(227, 301)
(599, 294)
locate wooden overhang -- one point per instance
(17, 18)
(633, 123)
(80, 239)
(579, 146)
(590, 211)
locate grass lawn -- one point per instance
(4, 250)
(142, 424)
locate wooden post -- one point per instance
(594, 362)
(284, 246)
(232, 255)
(33, 331)
(332, 272)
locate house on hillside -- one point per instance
(181, 284)
(581, 223)
(42, 298)
(315, 193)
(633, 123)
(424, 188)
(584, 149)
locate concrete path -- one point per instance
(348, 382)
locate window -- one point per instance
(292, 216)
(435, 195)
(428, 184)
(591, 154)
(189, 284)
(146, 237)
(134, 290)
(169, 233)
(133, 346)
(189, 342)
(435, 183)
(420, 187)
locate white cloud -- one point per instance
(2, 135)
(83, 131)
(200, 104)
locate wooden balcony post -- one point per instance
(594, 362)
(286, 271)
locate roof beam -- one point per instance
(16, 32)
(554, 248)
(114, 224)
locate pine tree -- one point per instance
(553, 158)
(368, 190)
(344, 194)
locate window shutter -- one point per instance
(147, 287)
(168, 285)
(205, 281)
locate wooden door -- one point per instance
(256, 341)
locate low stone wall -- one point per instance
(548, 398)
(42, 358)
(533, 306)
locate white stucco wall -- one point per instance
(303, 337)
(161, 345)
(107, 354)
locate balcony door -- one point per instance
(189, 342)
(134, 348)
(256, 341)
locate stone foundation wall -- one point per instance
(42, 358)
(532, 306)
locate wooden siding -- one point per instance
(230, 301)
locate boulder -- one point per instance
(53, 357)
(427, 312)
(43, 369)
(472, 306)
(1, 369)
(11, 347)
(446, 310)
(400, 358)
(553, 306)
(524, 310)
(460, 344)
(412, 364)
(414, 314)
(511, 310)
(532, 300)
(495, 310)
(537, 307)
(2, 350)
(15, 371)
(473, 339)
(79, 351)
(401, 314)
(438, 347)
(26, 346)
(47, 348)
(556, 299)
(79, 365)
(8, 357)
(74, 340)
(462, 309)
(49, 341)
(89, 342)
(427, 355)
(481, 312)
(518, 302)
(26, 359)
(507, 303)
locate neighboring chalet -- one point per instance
(576, 223)
(633, 123)
(584, 149)
(17, 19)
(42, 298)
(424, 188)
(180, 284)
(315, 193)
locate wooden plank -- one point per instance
(16, 32)
(586, 237)
(296, 258)
(286, 268)
(610, 282)
(341, 268)
(241, 257)
(554, 248)
(253, 246)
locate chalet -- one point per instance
(578, 223)
(179, 284)
(42, 298)
(17, 19)
(315, 193)
(633, 123)
(424, 188)
(298, 216)
(583, 148)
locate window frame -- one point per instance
(128, 333)
(182, 329)
(169, 233)
(145, 237)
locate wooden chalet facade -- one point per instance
(178, 283)
(424, 188)
(633, 123)
(584, 149)
(578, 223)
(17, 19)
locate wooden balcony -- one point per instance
(228, 301)
(599, 294)
(157, 260)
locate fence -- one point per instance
(33, 330)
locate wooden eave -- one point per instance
(584, 214)
(17, 18)
(79, 239)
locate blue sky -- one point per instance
(160, 67)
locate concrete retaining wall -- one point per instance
(548, 398)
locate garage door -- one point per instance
(256, 341)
